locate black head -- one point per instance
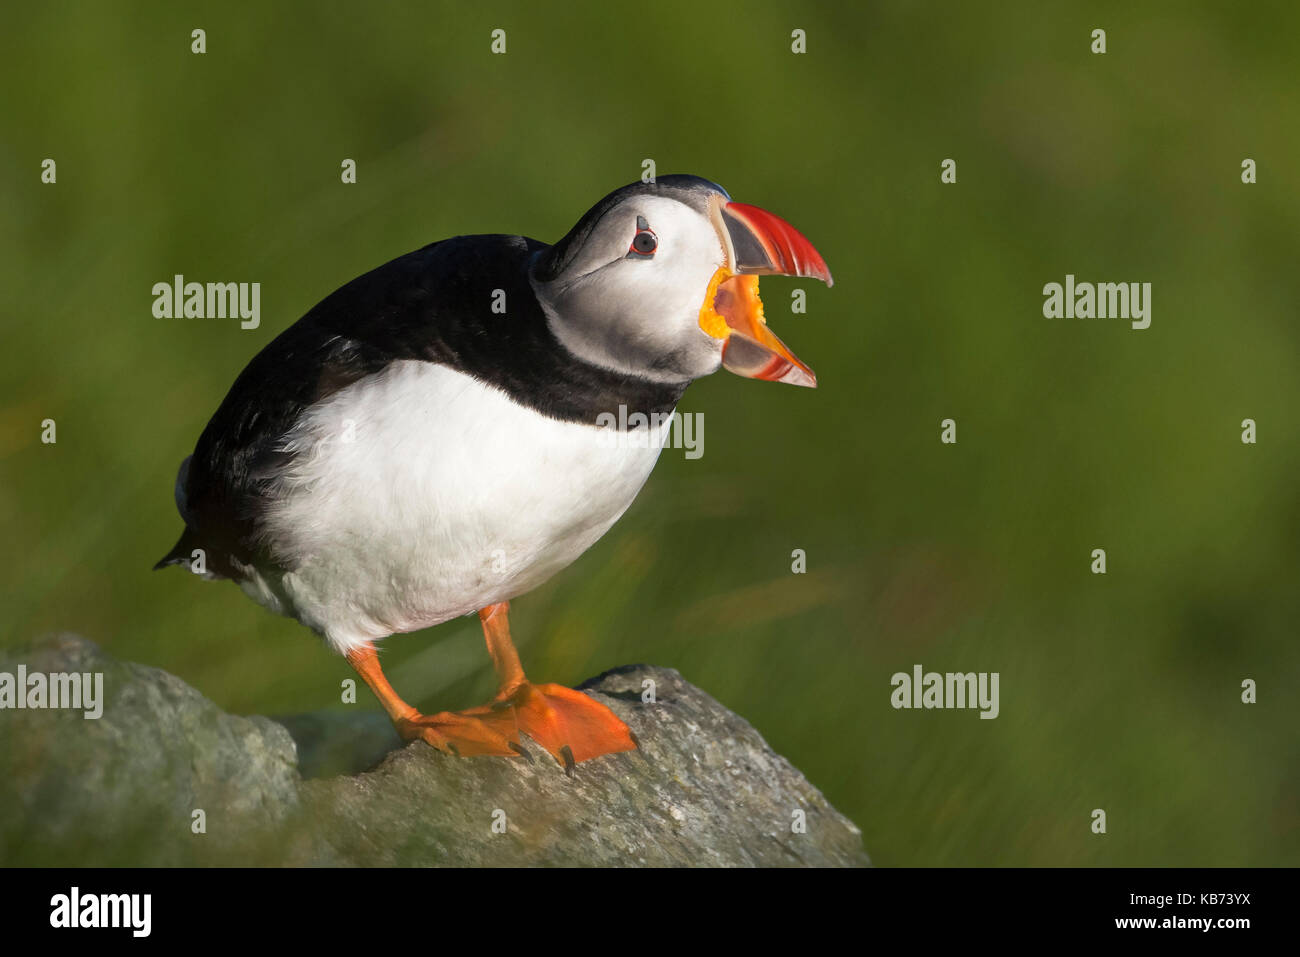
(659, 280)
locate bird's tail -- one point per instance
(182, 552)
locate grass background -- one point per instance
(1119, 691)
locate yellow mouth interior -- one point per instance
(731, 302)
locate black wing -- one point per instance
(427, 305)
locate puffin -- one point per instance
(432, 439)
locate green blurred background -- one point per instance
(1119, 691)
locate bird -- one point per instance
(427, 442)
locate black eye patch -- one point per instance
(644, 243)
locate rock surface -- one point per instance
(339, 789)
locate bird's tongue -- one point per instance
(733, 311)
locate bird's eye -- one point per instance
(644, 243)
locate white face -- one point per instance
(634, 304)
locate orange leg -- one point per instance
(479, 731)
(567, 723)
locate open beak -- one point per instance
(757, 243)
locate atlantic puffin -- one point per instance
(426, 442)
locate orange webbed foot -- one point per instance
(465, 734)
(570, 725)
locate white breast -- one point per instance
(423, 494)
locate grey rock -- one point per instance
(703, 790)
(123, 788)
(339, 742)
